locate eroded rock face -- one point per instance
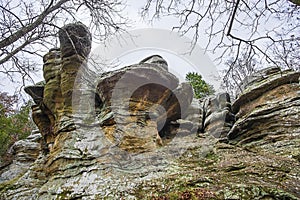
(265, 81)
(218, 117)
(52, 96)
(133, 136)
(141, 101)
(194, 115)
(75, 45)
(256, 77)
(53, 110)
(268, 113)
(24, 152)
(268, 108)
(135, 108)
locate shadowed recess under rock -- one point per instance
(139, 134)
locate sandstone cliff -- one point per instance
(137, 133)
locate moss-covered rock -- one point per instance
(112, 152)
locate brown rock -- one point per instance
(75, 45)
(75, 39)
(142, 99)
(52, 92)
(268, 83)
(36, 92)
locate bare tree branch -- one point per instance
(239, 32)
(28, 28)
(232, 18)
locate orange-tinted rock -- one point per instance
(142, 99)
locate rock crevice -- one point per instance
(139, 134)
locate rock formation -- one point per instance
(25, 152)
(53, 110)
(268, 112)
(137, 133)
(152, 99)
(218, 117)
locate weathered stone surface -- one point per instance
(194, 114)
(52, 64)
(53, 112)
(75, 45)
(142, 99)
(24, 152)
(269, 107)
(218, 118)
(263, 84)
(205, 168)
(270, 122)
(75, 39)
(135, 137)
(41, 119)
(157, 60)
(256, 77)
(36, 92)
(52, 97)
(27, 150)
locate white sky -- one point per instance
(171, 48)
(140, 43)
(178, 65)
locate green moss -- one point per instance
(280, 194)
(10, 184)
(235, 167)
(211, 156)
(64, 195)
(253, 192)
(188, 193)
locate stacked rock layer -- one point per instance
(268, 112)
(137, 133)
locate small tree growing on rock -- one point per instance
(200, 87)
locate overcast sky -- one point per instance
(174, 49)
(178, 64)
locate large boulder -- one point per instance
(268, 113)
(142, 100)
(75, 39)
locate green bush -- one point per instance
(200, 87)
(15, 124)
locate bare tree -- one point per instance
(236, 73)
(266, 31)
(29, 27)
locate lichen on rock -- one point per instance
(140, 134)
(268, 107)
